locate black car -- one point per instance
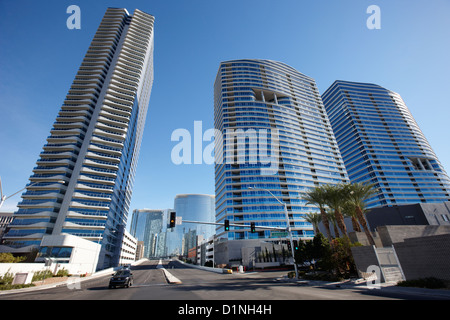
(122, 278)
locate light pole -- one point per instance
(3, 197)
(288, 228)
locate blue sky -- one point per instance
(326, 40)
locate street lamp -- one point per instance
(3, 197)
(288, 228)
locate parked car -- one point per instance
(122, 278)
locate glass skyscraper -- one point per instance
(150, 226)
(83, 179)
(381, 143)
(272, 134)
(193, 207)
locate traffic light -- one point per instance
(289, 246)
(295, 245)
(252, 227)
(226, 225)
(172, 219)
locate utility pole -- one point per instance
(288, 228)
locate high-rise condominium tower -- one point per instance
(381, 143)
(83, 179)
(276, 137)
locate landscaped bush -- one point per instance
(62, 273)
(41, 275)
(6, 282)
(6, 257)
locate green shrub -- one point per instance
(62, 273)
(6, 282)
(41, 275)
(7, 257)
(7, 278)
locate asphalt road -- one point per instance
(150, 284)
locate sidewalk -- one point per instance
(442, 294)
(64, 281)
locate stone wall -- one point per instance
(423, 257)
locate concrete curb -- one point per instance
(169, 277)
(210, 269)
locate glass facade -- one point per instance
(381, 143)
(193, 207)
(83, 179)
(272, 134)
(150, 226)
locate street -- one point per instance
(150, 284)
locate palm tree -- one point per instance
(335, 199)
(316, 196)
(314, 218)
(358, 193)
(348, 210)
(332, 219)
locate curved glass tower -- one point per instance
(381, 143)
(194, 207)
(83, 179)
(275, 136)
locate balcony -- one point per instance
(104, 172)
(100, 180)
(30, 204)
(92, 196)
(40, 195)
(99, 215)
(90, 205)
(51, 170)
(85, 226)
(101, 164)
(110, 128)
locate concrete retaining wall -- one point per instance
(425, 257)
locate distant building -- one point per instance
(127, 249)
(205, 251)
(193, 207)
(150, 227)
(140, 250)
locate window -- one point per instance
(55, 252)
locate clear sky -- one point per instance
(325, 39)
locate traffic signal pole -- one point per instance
(236, 225)
(252, 226)
(288, 228)
(290, 240)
